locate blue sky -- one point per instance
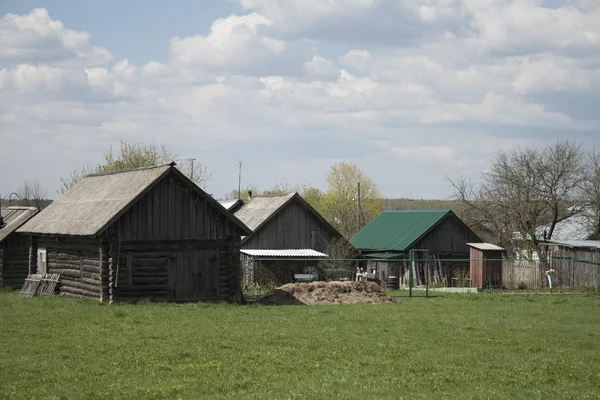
(413, 91)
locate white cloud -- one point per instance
(427, 84)
(235, 43)
(36, 37)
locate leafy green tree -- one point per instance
(341, 204)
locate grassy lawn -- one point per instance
(460, 346)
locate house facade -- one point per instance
(147, 233)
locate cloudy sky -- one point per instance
(412, 90)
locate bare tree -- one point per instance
(523, 190)
(31, 193)
(590, 194)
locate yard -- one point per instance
(461, 346)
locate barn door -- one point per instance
(194, 275)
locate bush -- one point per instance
(522, 285)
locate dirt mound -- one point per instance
(327, 293)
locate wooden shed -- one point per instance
(285, 222)
(418, 239)
(147, 233)
(14, 247)
(486, 265)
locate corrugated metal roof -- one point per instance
(397, 230)
(578, 243)
(14, 217)
(384, 255)
(485, 246)
(260, 208)
(574, 227)
(283, 253)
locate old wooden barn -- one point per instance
(148, 233)
(14, 247)
(429, 239)
(281, 223)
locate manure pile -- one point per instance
(327, 293)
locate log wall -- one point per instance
(78, 263)
(14, 261)
(172, 271)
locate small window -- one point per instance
(42, 261)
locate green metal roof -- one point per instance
(384, 255)
(397, 230)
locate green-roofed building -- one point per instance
(389, 239)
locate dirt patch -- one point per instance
(327, 293)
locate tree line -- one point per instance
(524, 189)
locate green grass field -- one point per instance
(457, 347)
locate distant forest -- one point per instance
(422, 204)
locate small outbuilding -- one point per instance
(147, 233)
(486, 265)
(431, 242)
(14, 247)
(287, 228)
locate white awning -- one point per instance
(283, 253)
(485, 246)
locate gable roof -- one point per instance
(98, 200)
(13, 217)
(259, 210)
(397, 230)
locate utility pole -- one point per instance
(240, 181)
(358, 208)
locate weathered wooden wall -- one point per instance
(14, 261)
(484, 266)
(198, 271)
(173, 211)
(78, 263)
(292, 228)
(448, 239)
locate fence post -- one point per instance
(410, 276)
(427, 278)
(260, 279)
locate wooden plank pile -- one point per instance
(39, 285)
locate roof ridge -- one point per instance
(171, 164)
(405, 211)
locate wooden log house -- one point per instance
(14, 247)
(147, 233)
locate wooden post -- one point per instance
(1, 268)
(32, 255)
(103, 264)
(112, 266)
